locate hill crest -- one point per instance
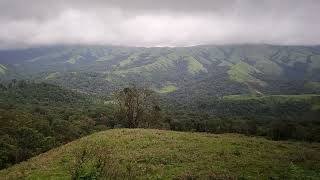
(145, 153)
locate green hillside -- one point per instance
(51, 96)
(158, 154)
(244, 73)
(168, 89)
(266, 69)
(304, 97)
(3, 69)
(47, 116)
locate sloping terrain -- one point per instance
(158, 154)
(3, 70)
(234, 69)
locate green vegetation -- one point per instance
(315, 62)
(312, 86)
(243, 72)
(157, 154)
(303, 97)
(128, 61)
(269, 68)
(194, 66)
(52, 75)
(265, 69)
(160, 65)
(54, 95)
(37, 117)
(74, 59)
(48, 116)
(168, 89)
(137, 107)
(278, 117)
(3, 69)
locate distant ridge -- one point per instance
(242, 69)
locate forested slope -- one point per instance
(37, 117)
(216, 70)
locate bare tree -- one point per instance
(137, 106)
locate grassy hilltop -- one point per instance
(159, 154)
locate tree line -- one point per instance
(35, 117)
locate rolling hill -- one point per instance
(35, 117)
(218, 70)
(159, 154)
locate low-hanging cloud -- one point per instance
(158, 23)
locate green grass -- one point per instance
(129, 60)
(163, 64)
(297, 57)
(315, 62)
(108, 77)
(194, 66)
(168, 89)
(52, 75)
(3, 69)
(312, 85)
(316, 107)
(243, 72)
(159, 154)
(269, 67)
(74, 59)
(249, 97)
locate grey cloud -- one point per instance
(158, 23)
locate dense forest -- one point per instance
(36, 117)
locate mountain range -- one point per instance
(207, 70)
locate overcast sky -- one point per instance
(158, 22)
